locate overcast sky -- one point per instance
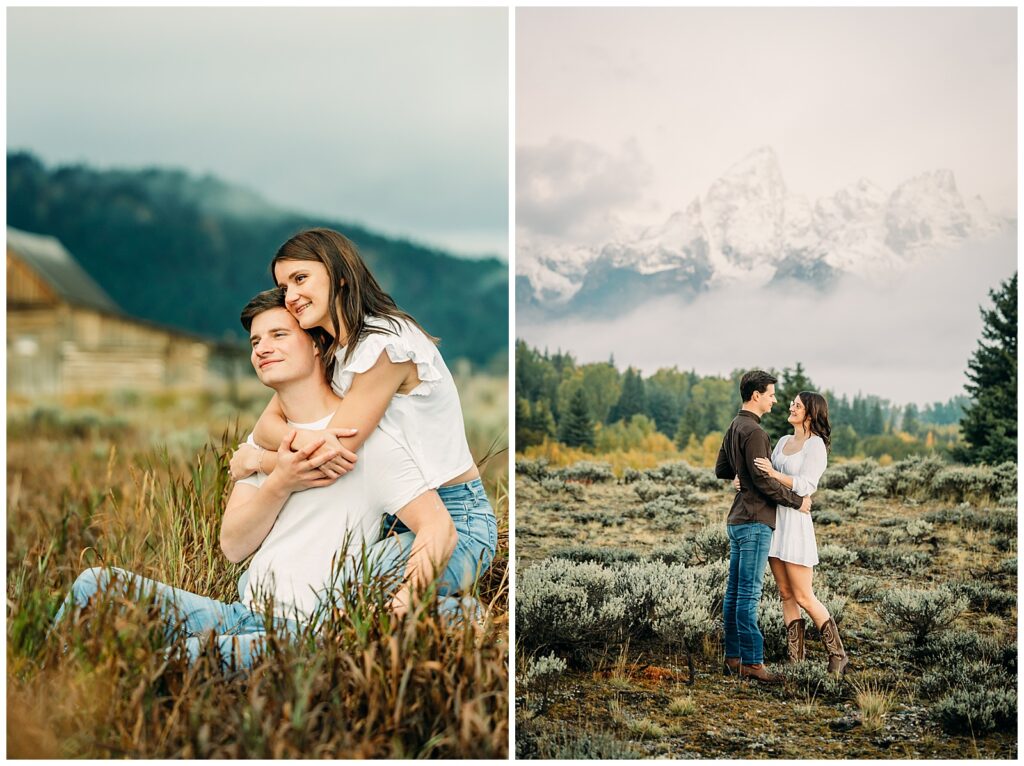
(625, 115)
(396, 118)
(675, 96)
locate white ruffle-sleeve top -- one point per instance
(805, 466)
(427, 421)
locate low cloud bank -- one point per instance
(907, 340)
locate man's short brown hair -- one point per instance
(268, 299)
(755, 380)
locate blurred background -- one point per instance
(157, 158)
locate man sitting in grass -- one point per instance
(310, 534)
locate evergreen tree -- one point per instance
(576, 428)
(911, 422)
(876, 420)
(631, 400)
(989, 424)
(523, 437)
(542, 422)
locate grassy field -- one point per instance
(138, 481)
(918, 565)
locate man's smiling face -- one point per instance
(281, 350)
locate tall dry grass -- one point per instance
(118, 481)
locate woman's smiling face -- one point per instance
(307, 292)
(797, 412)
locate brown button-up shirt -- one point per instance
(759, 495)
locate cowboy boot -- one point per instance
(795, 640)
(759, 673)
(731, 666)
(837, 658)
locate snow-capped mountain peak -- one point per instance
(748, 227)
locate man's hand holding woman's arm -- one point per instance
(358, 414)
(271, 428)
(250, 512)
(757, 447)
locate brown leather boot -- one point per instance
(759, 673)
(795, 640)
(837, 658)
(731, 666)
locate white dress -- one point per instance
(793, 539)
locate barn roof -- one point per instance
(47, 257)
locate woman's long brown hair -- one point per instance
(817, 413)
(361, 297)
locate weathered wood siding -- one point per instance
(56, 348)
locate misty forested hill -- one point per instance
(189, 252)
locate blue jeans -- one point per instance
(476, 525)
(238, 630)
(748, 555)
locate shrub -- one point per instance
(985, 597)
(673, 554)
(710, 544)
(682, 473)
(649, 490)
(587, 517)
(861, 588)
(836, 557)
(841, 474)
(812, 679)
(632, 475)
(565, 744)
(568, 606)
(684, 614)
(976, 710)
(959, 482)
(554, 484)
(1004, 522)
(913, 477)
(587, 472)
(593, 553)
(826, 518)
(1006, 480)
(533, 469)
(572, 607)
(668, 511)
(955, 647)
(943, 678)
(541, 676)
(919, 530)
(893, 560)
(963, 515)
(921, 612)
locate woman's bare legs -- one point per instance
(790, 607)
(799, 579)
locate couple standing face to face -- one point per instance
(761, 403)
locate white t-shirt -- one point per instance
(318, 528)
(428, 420)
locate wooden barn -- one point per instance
(65, 334)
